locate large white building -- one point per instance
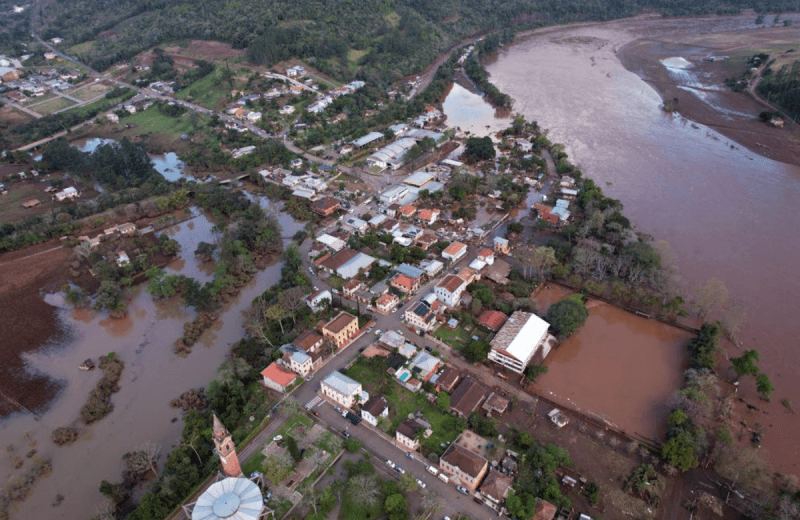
(343, 390)
(519, 340)
(449, 290)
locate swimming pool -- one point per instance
(405, 376)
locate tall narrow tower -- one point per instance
(226, 450)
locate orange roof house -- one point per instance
(277, 377)
(492, 320)
(408, 210)
(404, 283)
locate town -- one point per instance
(395, 362)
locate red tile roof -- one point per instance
(454, 248)
(280, 375)
(407, 210)
(403, 281)
(544, 510)
(451, 283)
(492, 320)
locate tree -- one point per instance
(479, 148)
(745, 365)
(363, 489)
(764, 386)
(143, 459)
(568, 315)
(408, 483)
(521, 504)
(679, 451)
(352, 445)
(397, 506)
(710, 294)
(292, 300)
(205, 250)
(294, 451)
(443, 402)
(108, 296)
(534, 371)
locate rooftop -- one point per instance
(418, 178)
(403, 281)
(342, 384)
(300, 357)
(448, 377)
(410, 428)
(468, 462)
(375, 406)
(451, 283)
(280, 375)
(492, 319)
(496, 485)
(307, 340)
(521, 335)
(367, 139)
(392, 339)
(340, 322)
(338, 259)
(454, 248)
(409, 270)
(467, 396)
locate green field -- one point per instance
(53, 105)
(402, 402)
(151, 121)
(208, 92)
(89, 92)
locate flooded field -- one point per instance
(618, 367)
(471, 113)
(726, 211)
(153, 375)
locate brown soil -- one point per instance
(739, 118)
(206, 50)
(28, 322)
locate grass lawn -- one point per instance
(456, 338)
(36, 100)
(54, 105)
(151, 121)
(90, 92)
(209, 91)
(254, 463)
(402, 402)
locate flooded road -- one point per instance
(153, 375)
(727, 212)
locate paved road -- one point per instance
(382, 448)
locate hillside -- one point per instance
(389, 39)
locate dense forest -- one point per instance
(390, 39)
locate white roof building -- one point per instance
(519, 340)
(393, 194)
(332, 242)
(343, 389)
(229, 499)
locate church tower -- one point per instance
(226, 450)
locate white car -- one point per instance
(390, 464)
(394, 310)
(421, 484)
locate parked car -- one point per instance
(462, 490)
(400, 332)
(339, 410)
(409, 455)
(378, 332)
(394, 310)
(390, 463)
(421, 484)
(477, 500)
(399, 469)
(310, 377)
(429, 349)
(346, 434)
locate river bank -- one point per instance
(680, 70)
(725, 211)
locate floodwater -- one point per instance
(727, 212)
(153, 375)
(472, 113)
(167, 164)
(618, 367)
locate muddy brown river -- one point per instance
(153, 375)
(727, 212)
